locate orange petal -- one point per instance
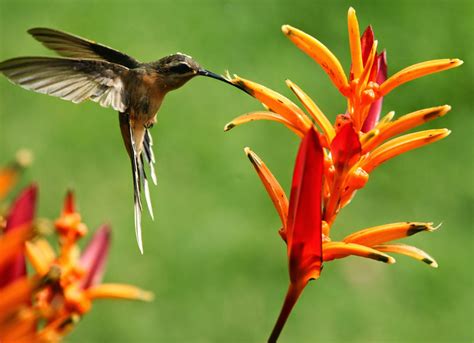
(364, 77)
(334, 250)
(354, 43)
(404, 123)
(318, 116)
(410, 251)
(15, 295)
(12, 242)
(248, 117)
(39, 260)
(275, 102)
(388, 232)
(274, 189)
(321, 54)
(400, 145)
(118, 291)
(20, 327)
(417, 70)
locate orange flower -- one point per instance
(64, 286)
(350, 149)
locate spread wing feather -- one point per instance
(75, 80)
(69, 45)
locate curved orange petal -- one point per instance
(274, 189)
(318, 116)
(417, 70)
(400, 145)
(275, 102)
(388, 232)
(321, 54)
(118, 291)
(410, 251)
(404, 123)
(262, 115)
(354, 43)
(335, 250)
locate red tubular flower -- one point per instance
(304, 236)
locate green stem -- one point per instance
(294, 292)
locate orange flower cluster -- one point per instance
(45, 306)
(334, 161)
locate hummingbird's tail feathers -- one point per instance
(137, 203)
(68, 45)
(144, 180)
(70, 79)
(149, 155)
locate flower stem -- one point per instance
(292, 295)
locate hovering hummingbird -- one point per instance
(92, 71)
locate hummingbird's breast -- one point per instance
(144, 94)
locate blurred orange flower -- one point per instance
(45, 306)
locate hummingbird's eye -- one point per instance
(180, 68)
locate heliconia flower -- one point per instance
(64, 285)
(345, 153)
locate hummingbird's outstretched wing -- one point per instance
(134, 141)
(69, 45)
(71, 79)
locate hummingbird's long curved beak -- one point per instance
(208, 73)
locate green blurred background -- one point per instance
(213, 257)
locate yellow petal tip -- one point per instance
(247, 150)
(286, 29)
(391, 260)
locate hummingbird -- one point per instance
(92, 71)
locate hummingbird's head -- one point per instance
(177, 69)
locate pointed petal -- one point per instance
(304, 232)
(69, 203)
(369, 65)
(15, 294)
(262, 115)
(366, 42)
(417, 70)
(410, 251)
(321, 54)
(37, 259)
(275, 102)
(345, 148)
(118, 291)
(94, 257)
(274, 190)
(376, 107)
(335, 250)
(354, 43)
(388, 232)
(17, 231)
(405, 123)
(400, 145)
(322, 121)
